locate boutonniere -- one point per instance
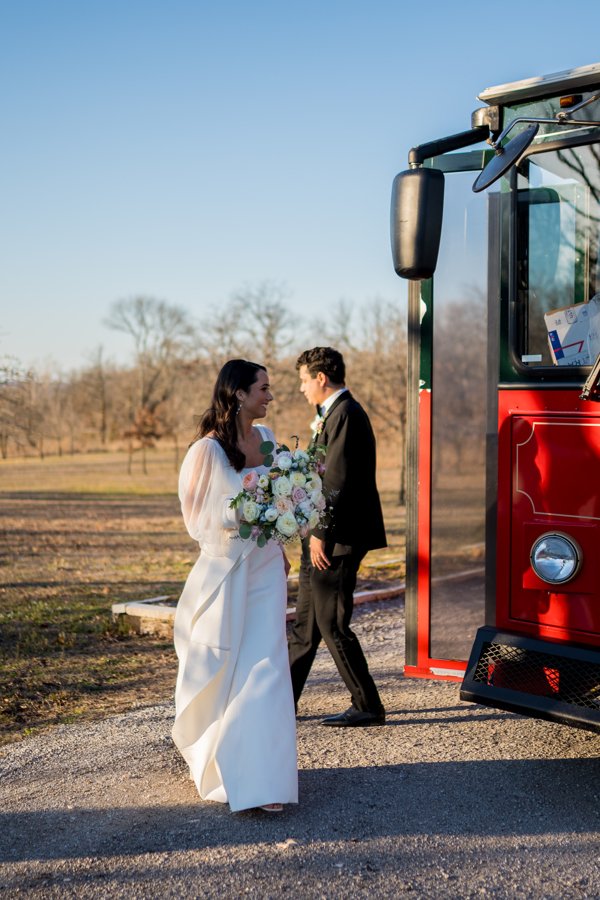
(317, 425)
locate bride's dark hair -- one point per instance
(219, 418)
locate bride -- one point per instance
(234, 710)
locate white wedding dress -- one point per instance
(234, 709)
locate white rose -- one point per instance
(287, 525)
(298, 479)
(284, 460)
(305, 507)
(282, 486)
(301, 456)
(314, 482)
(250, 510)
(263, 482)
(271, 514)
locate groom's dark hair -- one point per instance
(326, 360)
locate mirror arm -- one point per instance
(563, 115)
(589, 122)
(561, 119)
(419, 154)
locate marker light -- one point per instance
(571, 100)
(555, 558)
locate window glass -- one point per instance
(558, 238)
(459, 382)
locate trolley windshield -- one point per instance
(557, 315)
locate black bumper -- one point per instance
(534, 677)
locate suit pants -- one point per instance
(323, 611)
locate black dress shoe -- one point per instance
(353, 718)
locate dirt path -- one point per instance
(449, 800)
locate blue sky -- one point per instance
(185, 149)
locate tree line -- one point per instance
(155, 398)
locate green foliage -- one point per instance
(245, 530)
(266, 448)
(236, 501)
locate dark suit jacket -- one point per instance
(349, 481)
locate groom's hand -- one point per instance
(317, 553)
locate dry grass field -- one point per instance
(77, 534)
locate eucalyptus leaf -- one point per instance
(267, 447)
(245, 530)
(268, 460)
(261, 540)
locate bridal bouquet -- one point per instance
(286, 502)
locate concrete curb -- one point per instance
(156, 614)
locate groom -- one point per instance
(332, 553)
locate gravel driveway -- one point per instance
(449, 800)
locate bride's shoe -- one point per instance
(272, 807)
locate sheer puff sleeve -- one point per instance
(207, 482)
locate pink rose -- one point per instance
(298, 494)
(250, 480)
(283, 505)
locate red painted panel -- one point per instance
(557, 464)
(548, 480)
(427, 667)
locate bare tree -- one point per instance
(336, 330)
(258, 325)
(164, 341)
(460, 381)
(95, 382)
(264, 320)
(221, 337)
(18, 420)
(190, 397)
(379, 370)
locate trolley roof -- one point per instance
(543, 85)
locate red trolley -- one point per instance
(501, 246)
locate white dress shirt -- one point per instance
(325, 407)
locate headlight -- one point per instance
(555, 558)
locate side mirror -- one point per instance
(416, 222)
